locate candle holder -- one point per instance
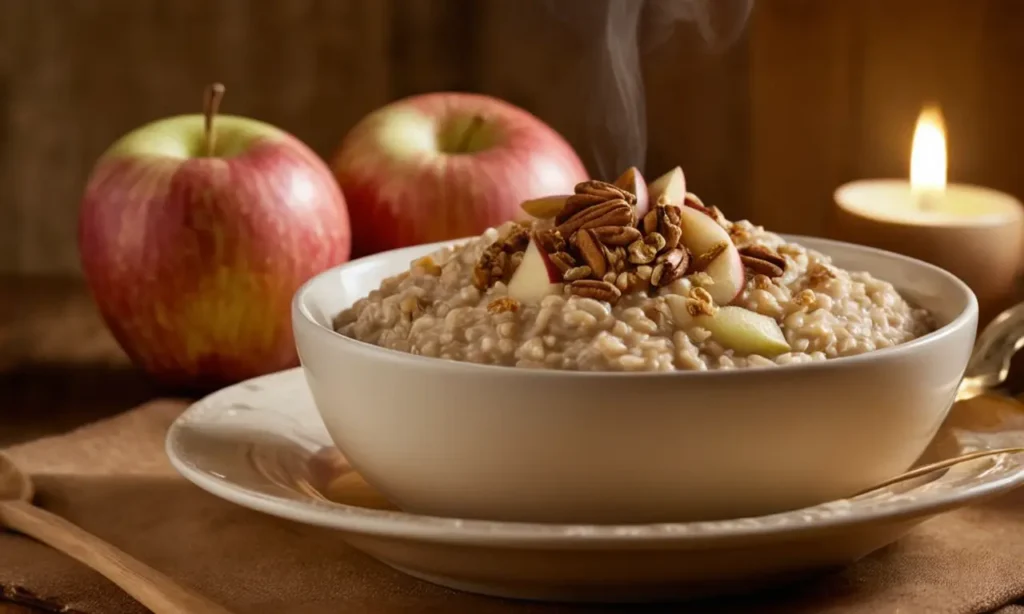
(973, 232)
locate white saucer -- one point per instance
(254, 444)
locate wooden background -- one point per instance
(812, 94)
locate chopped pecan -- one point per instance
(482, 277)
(672, 266)
(592, 252)
(644, 272)
(673, 233)
(592, 288)
(563, 261)
(655, 240)
(700, 303)
(551, 240)
(762, 282)
(503, 304)
(819, 274)
(576, 273)
(641, 253)
(516, 240)
(673, 214)
(611, 213)
(616, 235)
(606, 190)
(428, 266)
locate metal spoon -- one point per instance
(148, 586)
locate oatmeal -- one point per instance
(603, 281)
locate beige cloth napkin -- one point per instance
(112, 478)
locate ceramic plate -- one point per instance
(261, 444)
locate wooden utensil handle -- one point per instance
(147, 585)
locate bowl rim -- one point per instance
(301, 316)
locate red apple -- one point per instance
(446, 165)
(194, 239)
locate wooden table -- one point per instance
(59, 367)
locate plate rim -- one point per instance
(407, 525)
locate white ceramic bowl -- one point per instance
(464, 440)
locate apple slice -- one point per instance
(744, 331)
(701, 234)
(536, 276)
(671, 185)
(634, 182)
(546, 207)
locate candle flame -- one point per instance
(928, 154)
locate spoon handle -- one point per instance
(147, 585)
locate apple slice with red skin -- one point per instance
(701, 234)
(671, 185)
(536, 276)
(634, 183)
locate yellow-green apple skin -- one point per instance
(193, 259)
(447, 165)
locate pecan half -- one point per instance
(592, 288)
(762, 267)
(616, 235)
(606, 190)
(611, 213)
(764, 253)
(673, 266)
(579, 202)
(673, 214)
(592, 252)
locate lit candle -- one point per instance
(975, 233)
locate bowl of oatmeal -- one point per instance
(631, 356)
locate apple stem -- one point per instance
(467, 137)
(211, 103)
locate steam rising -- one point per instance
(614, 34)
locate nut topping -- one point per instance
(616, 235)
(599, 290)
(641, 253)
(551, 240)
(563, 261)
(672, 267)
(651, 220)
(503, 304)
(579, 202)
(763, 260)
(576, 273)
(606, 190)
(592, 252)
(611, 213)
